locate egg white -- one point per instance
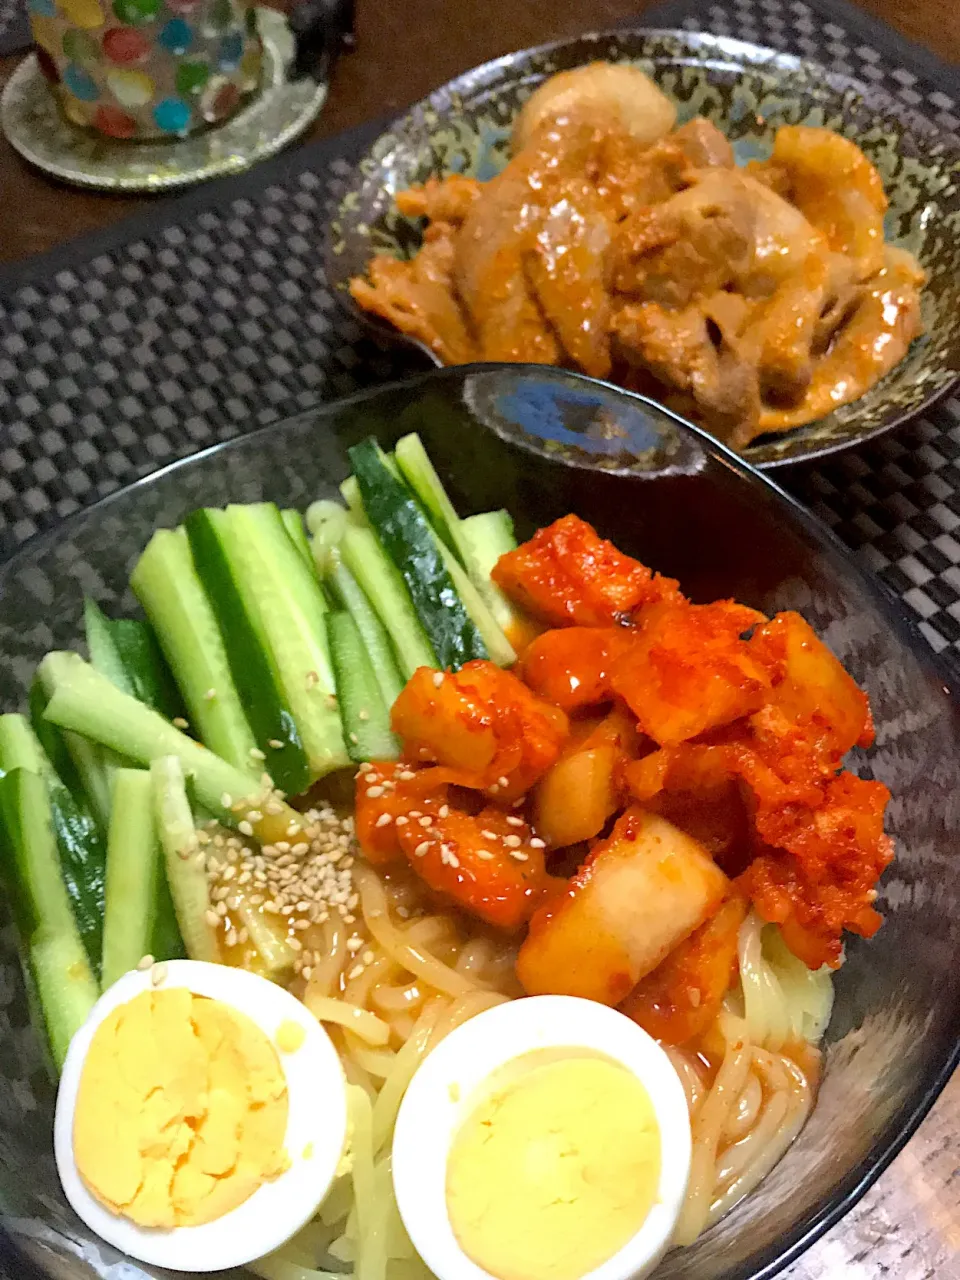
(449, 1083)
(315, 1136)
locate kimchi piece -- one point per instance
(567, 574)
(483, 724)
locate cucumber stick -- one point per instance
(485, 538)
(376, 640)
(365, 715)
(61, 974)
(138, 909)
(103, 652)
(145, 666)
(406, 536)
(165, 582)
(283, 593)
(87, 703)
(90, 767)
(80, 846)
(229, 581)
(383, 586)
(420, 473)
(293, 523)
(184, 860)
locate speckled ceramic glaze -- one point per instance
(543, 442)
(748, 92)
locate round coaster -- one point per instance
(277, 113)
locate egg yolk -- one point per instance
(553, 1173)
(181, 1110)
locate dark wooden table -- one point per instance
(908, 1226)
(396, 66)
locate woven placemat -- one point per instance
(210, 315)
(14, 27)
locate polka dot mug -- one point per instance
(138, 69)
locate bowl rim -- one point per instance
(901, 1127)
(748, 51)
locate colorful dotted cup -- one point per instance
(135, 69)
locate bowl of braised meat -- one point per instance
(763, 246)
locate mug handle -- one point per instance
(321, 30)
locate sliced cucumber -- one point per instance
(81, 849)
(484, 539)
(421, 475)
(233, 586)
(91, 768)
(166, 584)
(292, 612)
(376, 640)
(293, 523)
(87, 703)
(499, 647)
(30, 868)
(184, 860)
(146, 667)
(405, 534)
(137, 918)
(365, 716)
(100, 644)
(383, 586)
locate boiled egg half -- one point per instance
(201, 1116)
(547, 1138)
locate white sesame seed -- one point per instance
(374, 793)
(364, 767)
(232, 937)
(363, 714)
(444, 811)
(212, 919)
(519, 855)
(415, 813)
(245, 828)
(354, 739)
(384, 820)
(402, 820)
(210, 695)
(489, 835)
(144, 963)
(493, 788)
(406, 775)
(437, 679)
(180, 722)
(226, 800)
(354, 944)
(157, 974)
(426, 821)
(537, 843)
(485, 855)
(295, 943)
(503, 781)
(512, 842)
(514, 822)
(256, 754)
(275, 743)
(422, 849)
(355, 972)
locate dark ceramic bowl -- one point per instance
(748, 91)
(543, 442)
